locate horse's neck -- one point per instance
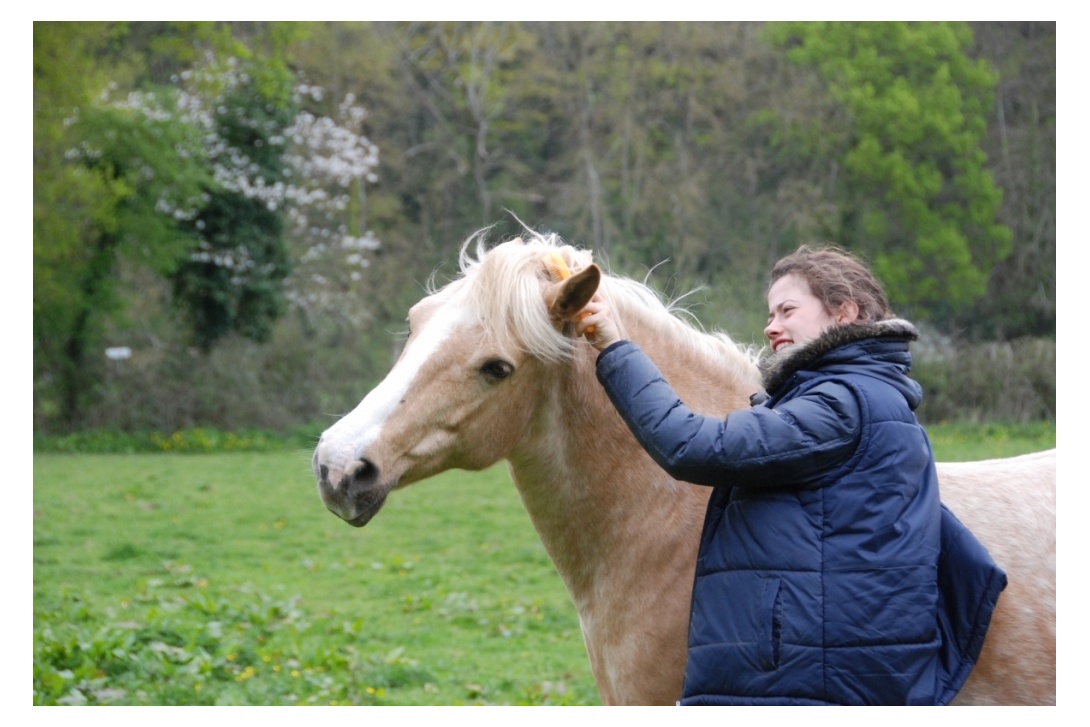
(711, 379)
(603, 508)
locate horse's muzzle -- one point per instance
(357, 495)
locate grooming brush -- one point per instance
(559, 270)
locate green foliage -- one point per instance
(695, 144)
(1012, 381)
(103, 176)
(166, 648)
(920, 201)
(147, 165)
(148, 183)
(234, 281)
(1021, 148)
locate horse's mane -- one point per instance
(504, 286)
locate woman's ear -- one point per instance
(848, 312)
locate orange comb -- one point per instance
(558, 271)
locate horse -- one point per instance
(491, 370)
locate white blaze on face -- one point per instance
(347, 440)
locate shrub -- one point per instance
(194, 440)
(1012, 381)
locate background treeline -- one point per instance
(250, 208)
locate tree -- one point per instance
(233, 280)
(1021, 297)
(464, 73)
(332, 164)
(702, 145)
(649, 110)
(914, 190)
(198, 180)
(103, 176)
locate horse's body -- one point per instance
(491, 372)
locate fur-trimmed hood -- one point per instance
(776, 368)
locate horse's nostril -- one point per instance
(324, 472)
(366, 470)
(360, 478)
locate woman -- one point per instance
(818, 579)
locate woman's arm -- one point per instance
(795, 444)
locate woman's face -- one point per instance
(795, 315)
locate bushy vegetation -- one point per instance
(182, 441)
(1010, 381)
(288, 394)
(166, 221)
(959, 437)
(164, 648)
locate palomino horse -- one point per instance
(491, 371)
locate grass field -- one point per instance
(221, 579)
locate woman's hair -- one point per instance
(836, 276)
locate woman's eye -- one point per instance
(497, 369)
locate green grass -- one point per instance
(221, 579)
(968, 442)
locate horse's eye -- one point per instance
(497, 369)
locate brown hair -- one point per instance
(835, 276)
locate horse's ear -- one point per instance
(574, 293)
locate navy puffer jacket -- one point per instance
(818, 578)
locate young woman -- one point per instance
(828, 571)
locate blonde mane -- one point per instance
(504, 284)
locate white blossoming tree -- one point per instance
(281, 222)
(331, 163)
(226, 182)
(290, 187)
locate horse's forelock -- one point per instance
(504, 285)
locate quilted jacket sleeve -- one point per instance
(794, 444)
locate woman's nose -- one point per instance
(771, 329)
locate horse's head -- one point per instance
(468, 381)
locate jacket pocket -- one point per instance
(771, 624)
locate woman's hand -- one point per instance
(607, 330)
